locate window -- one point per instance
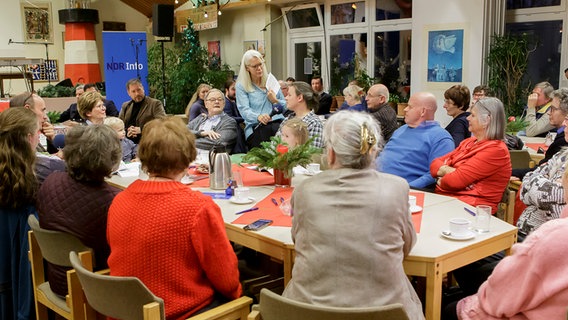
(352, 12)
(392, 60)
(304, 17)
(393, 9)
(521, 4)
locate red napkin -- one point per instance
(251, 178)
(268, 210)
(535, 146)
(417, 217)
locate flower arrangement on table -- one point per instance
(277, 155)
(516, 124)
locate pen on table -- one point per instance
(469, 211)
(281, 199)
(247, 210)
(274, 201)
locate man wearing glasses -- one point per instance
(377, 103)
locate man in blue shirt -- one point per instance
(413, 146)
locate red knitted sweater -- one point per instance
(173, 239)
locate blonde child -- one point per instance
(129, 148)
(294, 132)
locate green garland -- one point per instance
(267, 156)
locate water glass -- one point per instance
(482, 218)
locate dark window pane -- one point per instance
(392, 60)
(303, 18)
(521, 4)
(544, 62)
(393, 9)
(352, 12)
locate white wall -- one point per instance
(453, 13)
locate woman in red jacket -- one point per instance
(478, 171)
(171, 237)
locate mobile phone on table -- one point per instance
(258, 225)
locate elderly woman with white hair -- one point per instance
(350, 245)
(255, 101)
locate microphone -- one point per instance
(276, 109)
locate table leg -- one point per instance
(288, 264)
(434, 278)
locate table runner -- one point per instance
(251, 178)
(268, 210)
(417, 217)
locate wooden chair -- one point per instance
(275, 307)
(506, 210)
(521, 159)
(128, 298)
(54, 246)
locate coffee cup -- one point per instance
(313, 168)
(459, 226)
(242, 193)
(412, 201)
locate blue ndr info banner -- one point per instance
(125, 58)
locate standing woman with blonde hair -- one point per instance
(19, 137)
(255, 101)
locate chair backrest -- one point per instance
(55, 245)
(116, 297)
(520, 159)
(276, 307)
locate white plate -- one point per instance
(186, 180)
(415, 209)
(241, 201)
(469, 235)
(310, 173)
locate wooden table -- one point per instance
(431, 257)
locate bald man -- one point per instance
(377, 103)
(413, 146)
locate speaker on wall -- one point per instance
(163, 20)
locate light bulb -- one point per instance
(219, 12)
(177, 1)
(206, 15)
(354, 6)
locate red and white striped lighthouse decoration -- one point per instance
(81, 57)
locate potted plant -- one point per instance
(277, 155)
(515, 124)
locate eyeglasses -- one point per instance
(256, 66)
(28, 98)
(216, 99)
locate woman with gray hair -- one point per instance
(77, 201)
(350, 245)
(542, 189)
(302, 101)
(478, 171)
(255, 101)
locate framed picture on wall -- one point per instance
(445, 59)
(44, 72)
(214, 52)
(37, 22)
(250, 45)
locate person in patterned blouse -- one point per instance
(302, 101)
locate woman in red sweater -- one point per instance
(171, 237)
(477, 172)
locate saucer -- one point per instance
(469, 235)
(415, 209)
(241, 201)
(186, 180)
